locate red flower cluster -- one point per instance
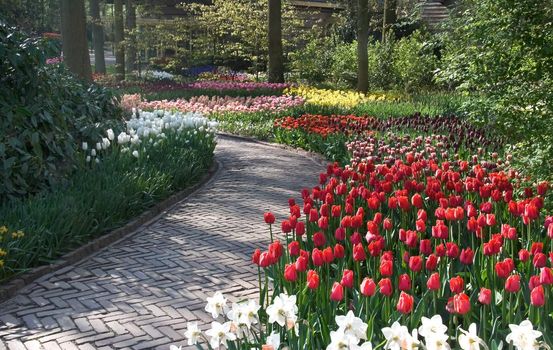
(325, 125)
(450, 234)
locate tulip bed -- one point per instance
(425, 238)
(121, 175)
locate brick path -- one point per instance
(140, 292)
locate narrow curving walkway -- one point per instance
(140, 292)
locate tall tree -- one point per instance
(276, 64)
(362, 45)
(98, 35)
(118, 38)
(130, 52)
(389, 16)
(73, 32)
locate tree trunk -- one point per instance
(389, 16)
(130, 54)
(276, 64)
(98, 34)
(73, 31)
(362, 45)
(119, 36)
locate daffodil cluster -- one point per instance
(338, 98)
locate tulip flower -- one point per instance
(290, 273)
(434, 282)
(312, 279)
(405, 303)
(456, 284)
(512, 284)
(385, 286)
(368, 287)
(337, 293)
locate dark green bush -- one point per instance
(46, 113)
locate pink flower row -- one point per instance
(216, 104)
(236, 85)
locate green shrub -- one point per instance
(414, 63)
(313, 62)
(46, 113)
(501, 53)
(343, 70)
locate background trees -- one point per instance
(73, 33)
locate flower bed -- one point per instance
(209, 105)
(340, 98)
(118, 177)
(409, 246)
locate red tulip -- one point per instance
(340, 234)
(301, 263)
(485, 296)
(404, 282)
(461, 304)
(286, 227)
(540, 260)
(358, 252)
(502, 269)
(416, 200)
(275, 249)
(490, 219)
(294, 248)
(456, 284)
(403, 203)
(512, 284)
(415, 263)
(265, 259)
(328, 256)
(339, 252)
(386, 267)
(425, 246)
(337, 292)
(312, 279)
(387, 224)
(269, 218)
(467, 256)
(317, 257)
(385, 286)
(355, 238)
(255, 256)
(537, 296)
(300, 228)
(431, 262)
(523, 255)
(347, 279)
(434, 282)
(546, 276)
(290, 273)
(368, 287)
(405, 303)
(452, 250)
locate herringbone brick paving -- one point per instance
(140, 292)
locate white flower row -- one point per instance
(152, 127)
(242, 317)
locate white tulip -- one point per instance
(85, 146)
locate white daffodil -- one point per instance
(437, 342)
(341, 341)
(217, 304)
(283, 310)
(174, 347)
(365, 346)
(352, 325)
(235, 313)
(523, 336)
(470, 340)
(250, 313)
(432, 326)
(192, 333)
(411, 342)
(395, 336)
(273, 340)
(219, 334)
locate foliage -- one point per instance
(501, 52)
(46, 113)
(414, 62)
(237, 31)
(128, 177)
(312, 62)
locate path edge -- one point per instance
(313, 156)
(13, 286)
